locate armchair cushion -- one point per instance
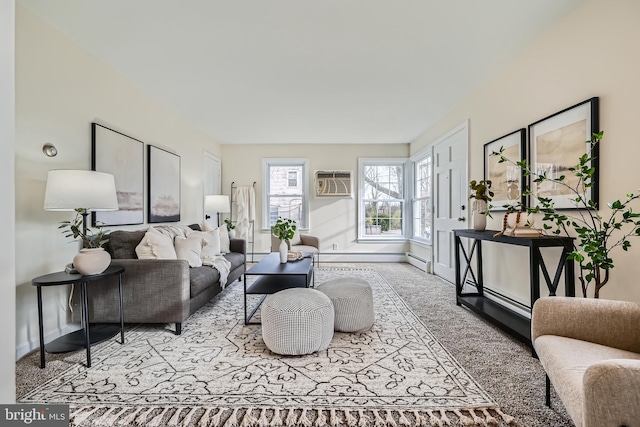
(590, 349)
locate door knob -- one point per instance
(462, 219)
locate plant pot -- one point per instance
(283, 249)
(232, 233)
(479, 221)
(91, 261)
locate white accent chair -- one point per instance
(299, 243)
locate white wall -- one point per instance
(591, 53)
(333, 219)
(7, 253)
(60, 90)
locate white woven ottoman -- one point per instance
(297, 321)
(352, 301)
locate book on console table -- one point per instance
(526, 232)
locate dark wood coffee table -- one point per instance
(274, 277)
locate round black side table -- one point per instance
(89, 334)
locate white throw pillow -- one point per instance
(211, 243)
(224, 239)
(155, 245)
(296, 240)
(206, 227)
(189, 248)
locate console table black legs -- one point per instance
(505, 318)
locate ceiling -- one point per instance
(302, 71)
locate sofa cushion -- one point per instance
(189, 248)
(566, 360)
(236, 259)
(122, 244)
(201, 278)
(156, 245)
(224, 239)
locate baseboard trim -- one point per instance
(353, 257)
(34, 343)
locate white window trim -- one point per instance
(283, 161)
(363, 161)
(420, 155)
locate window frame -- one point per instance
(382, 161)
(267, 163)
(422, 155)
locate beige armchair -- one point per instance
(590, 350)
(299, 242)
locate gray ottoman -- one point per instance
(297, 321)
(352, 301)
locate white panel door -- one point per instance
(212, 179)
(450, 195)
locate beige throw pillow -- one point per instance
(155, 245)
(224, 239)
(296, 240)
(211, 244)
(189, 248)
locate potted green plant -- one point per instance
(480, 197)
(230, 228)
(92, 258)
(284, 229)
(598, 233)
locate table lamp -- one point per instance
(68, 190)
(217, 203)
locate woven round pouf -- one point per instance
(297, 321)
(352, 302)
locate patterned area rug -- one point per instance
(219, 373)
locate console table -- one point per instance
(503, 317)
(89, 334)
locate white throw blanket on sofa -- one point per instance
(221, 264)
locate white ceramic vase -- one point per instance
(283, 249)
(479, 217)
(479, 221)
(91, 261)
(232, 233)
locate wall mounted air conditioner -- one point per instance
(333, 183)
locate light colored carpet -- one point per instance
(398, 366)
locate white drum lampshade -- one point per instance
(72, 189)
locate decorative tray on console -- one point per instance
(294, 256)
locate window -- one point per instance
(422, 201)
(292, 178)
(382, 202)
(285, 192)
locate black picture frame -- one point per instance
(507, 179)
(164, 180)
(123, 157)
(556, 144)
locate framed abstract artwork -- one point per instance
(123, 157)
(507, 179)
(164, 185)
(556, 144)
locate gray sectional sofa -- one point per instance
(155, 291)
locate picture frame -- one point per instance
(123, 157)
(556, 144)
(164, 185)
(507, 180)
